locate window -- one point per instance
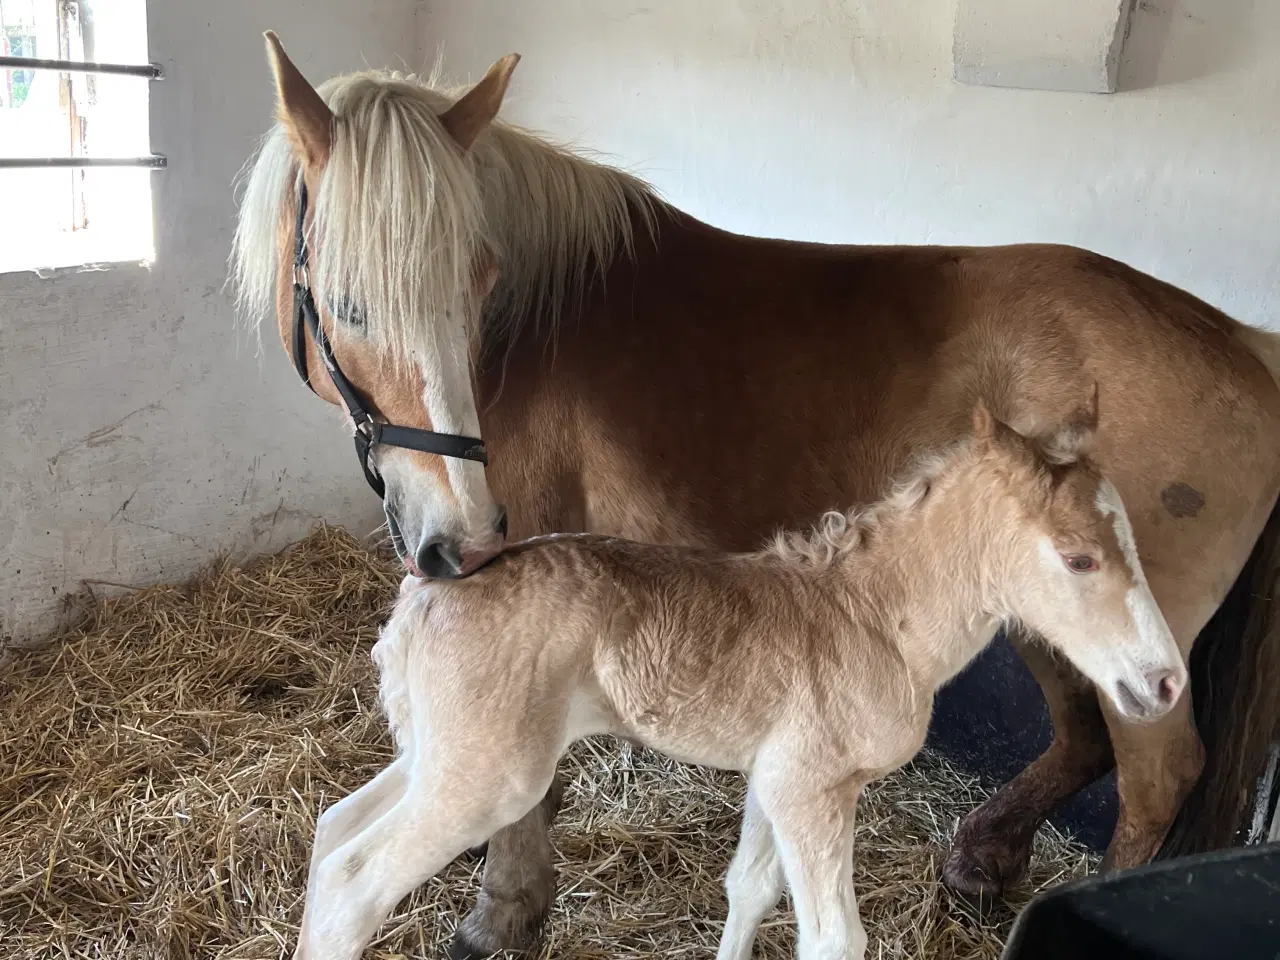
(74, 144)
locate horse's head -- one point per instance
(396, 267)
(1076, 579)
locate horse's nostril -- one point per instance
(502, 523)
(439, 560)
(397, 537)
(1129, 700)
(1165, 685)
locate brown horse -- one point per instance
(638, 373)
(811, 666)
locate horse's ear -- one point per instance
(485, 273)
(306, 117)
(1089, 412)
(984, 424)
(1074, 438)
(479, 105)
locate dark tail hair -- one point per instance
(1235, 683)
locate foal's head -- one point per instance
(398, 273)
(1075, 578)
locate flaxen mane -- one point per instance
(402, 212)
(838, 533)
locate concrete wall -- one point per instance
(838, 120)
(140, 433)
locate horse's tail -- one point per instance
(1235, 680)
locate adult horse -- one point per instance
(636, 372)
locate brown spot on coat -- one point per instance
(1182, 500)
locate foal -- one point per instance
(811, 666)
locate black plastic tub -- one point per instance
(1219, 905)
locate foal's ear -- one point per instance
(479, 105)
(984, 424)
(306, 117)
(1074, 438)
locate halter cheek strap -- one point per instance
(369, 432)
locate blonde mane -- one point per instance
(838, 533)
(402, 214)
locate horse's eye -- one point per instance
(1081, 563)
(344, 311)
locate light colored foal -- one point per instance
(810, 665)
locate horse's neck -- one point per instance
(557, 222)
(944, 610)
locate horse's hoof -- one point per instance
(460, 948)
(980, 877)
(970, 885)
(497, 924)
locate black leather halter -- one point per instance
(369, 432)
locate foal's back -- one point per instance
(704, 656)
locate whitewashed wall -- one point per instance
(140, 433)
(838, 120)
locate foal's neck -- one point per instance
(935, 572)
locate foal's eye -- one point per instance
(1081, 563)
(345, 311)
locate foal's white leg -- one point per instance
(346, 818)
(358, 883)
(815, 841)
(754, 883)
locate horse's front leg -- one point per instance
(518, 888)
(359, 882)
(345, 819)
(992, 848)
(754, 884)
(814, 835)
(1156, 764)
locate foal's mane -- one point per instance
(838, 533)
(403, 213)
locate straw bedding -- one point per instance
(162, 766)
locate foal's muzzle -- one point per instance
(1154, 696)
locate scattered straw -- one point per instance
(161, 768)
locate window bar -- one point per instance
(150, 71)
(72, 163)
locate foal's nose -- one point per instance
(439, 559)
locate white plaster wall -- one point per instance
(838, 120)
(140, 432)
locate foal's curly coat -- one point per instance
(810, 665)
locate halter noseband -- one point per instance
(369, 432)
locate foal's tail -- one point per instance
(1235, 680)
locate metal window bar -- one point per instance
(147, 71)
(150, 71)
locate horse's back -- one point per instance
(723, 387)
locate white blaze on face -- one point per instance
(451, 405)
(450, 402)
(1155, 639)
